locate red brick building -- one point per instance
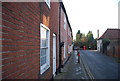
(54, 23)
(65, 35)
(31, 37)
(113, 49)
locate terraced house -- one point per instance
(36, 39)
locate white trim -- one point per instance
(64, 50)
(54, 54)
(48, 3)
(44, 26)
(65, 22)
(54, 35)
(44, 67)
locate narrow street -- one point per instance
(73, 69)
(100, 65)
(57, 39)
(93, 65)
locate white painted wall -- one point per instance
(99, 45)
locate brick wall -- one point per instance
(69, 39)
(113, 49)
(21, 39)
(45, 19)
(64, 35)
(68, 36)
(54, 23)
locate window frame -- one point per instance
(69, 32)
(45, 66)
(64, 50)
(48, 3)
(65, 22)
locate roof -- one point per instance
(63, 7)
(111, 34)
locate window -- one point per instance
(68, 49)
(69, 33)
(48, 3)
(45, 48)
(64, 22)
(64, 50)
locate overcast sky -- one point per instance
(85, 15)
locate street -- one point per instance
(73, 69)
(100, 65)
(93, 65)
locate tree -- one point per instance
(90, 36)
(78, 32)
(90, 39)
(83, 35)
(78, 35)
(78, 39)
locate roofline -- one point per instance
(102, 34)
(63, 7)
(107, 30)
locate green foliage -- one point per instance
(88, 40)
(105, 42)
(90, 37)
(78, 35)
(83, 35)
(78, 32)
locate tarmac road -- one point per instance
(100, 65)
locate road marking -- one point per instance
(78, 69)
(78, 73)
(82, 78)
(88, 71)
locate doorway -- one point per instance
(54, 54)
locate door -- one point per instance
(54, 54)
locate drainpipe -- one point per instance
(40, 5)
(60, 55)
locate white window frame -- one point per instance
(48, 3)
(69, 32)
(64, 50)
(44, 67)
(68, 48)
(65, 22)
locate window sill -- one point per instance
(44, 68)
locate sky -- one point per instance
(91, 15)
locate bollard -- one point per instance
(78, 57)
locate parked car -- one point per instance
(76, 48)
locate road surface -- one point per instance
(100, 65)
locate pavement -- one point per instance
(93, 66)
(73, 69)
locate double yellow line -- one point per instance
(88, 71)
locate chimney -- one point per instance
(97, 33)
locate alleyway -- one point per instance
(73, 69)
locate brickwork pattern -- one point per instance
(20, 40)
